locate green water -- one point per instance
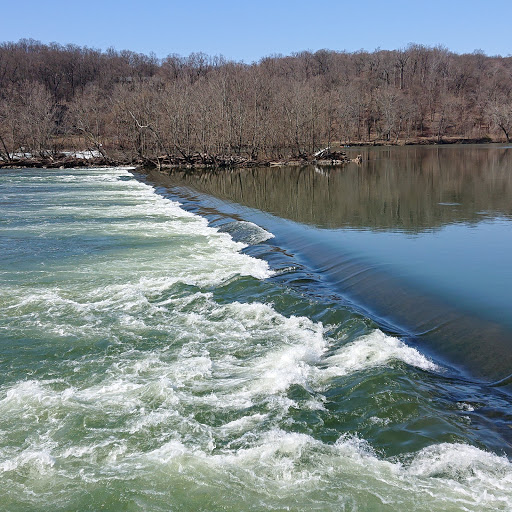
(150, 362)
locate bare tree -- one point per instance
(87, 116)
(501, 117)
(36, 118)
(133, 105)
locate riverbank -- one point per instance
(196, 161)
(59, 163)
(323, 157)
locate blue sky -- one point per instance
(250, 30)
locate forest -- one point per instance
(128, 107)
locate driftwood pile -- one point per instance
(57, 162)
(202, 160)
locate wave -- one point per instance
(141, 377)
(246, 232)
(280, 470)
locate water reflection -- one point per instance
(418, 237)
(410, 188)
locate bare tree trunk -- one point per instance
(6, 155)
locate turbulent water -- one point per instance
(150, 361)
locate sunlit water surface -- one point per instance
(151, 361)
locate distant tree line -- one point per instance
(133, 107)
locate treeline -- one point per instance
(132, 107)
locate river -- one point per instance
(215, 341)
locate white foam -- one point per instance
(290, 365)
(370, 351)
(169, 451)
(461, 462)
(288, 470)
(25, 392)
(292, 464)
(259, 455)
(37, 462)
(243, 424)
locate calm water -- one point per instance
(163, 357)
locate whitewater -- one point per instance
(150, 362)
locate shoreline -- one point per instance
(204, 162)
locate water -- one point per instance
(153, 361)
(420, 237)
